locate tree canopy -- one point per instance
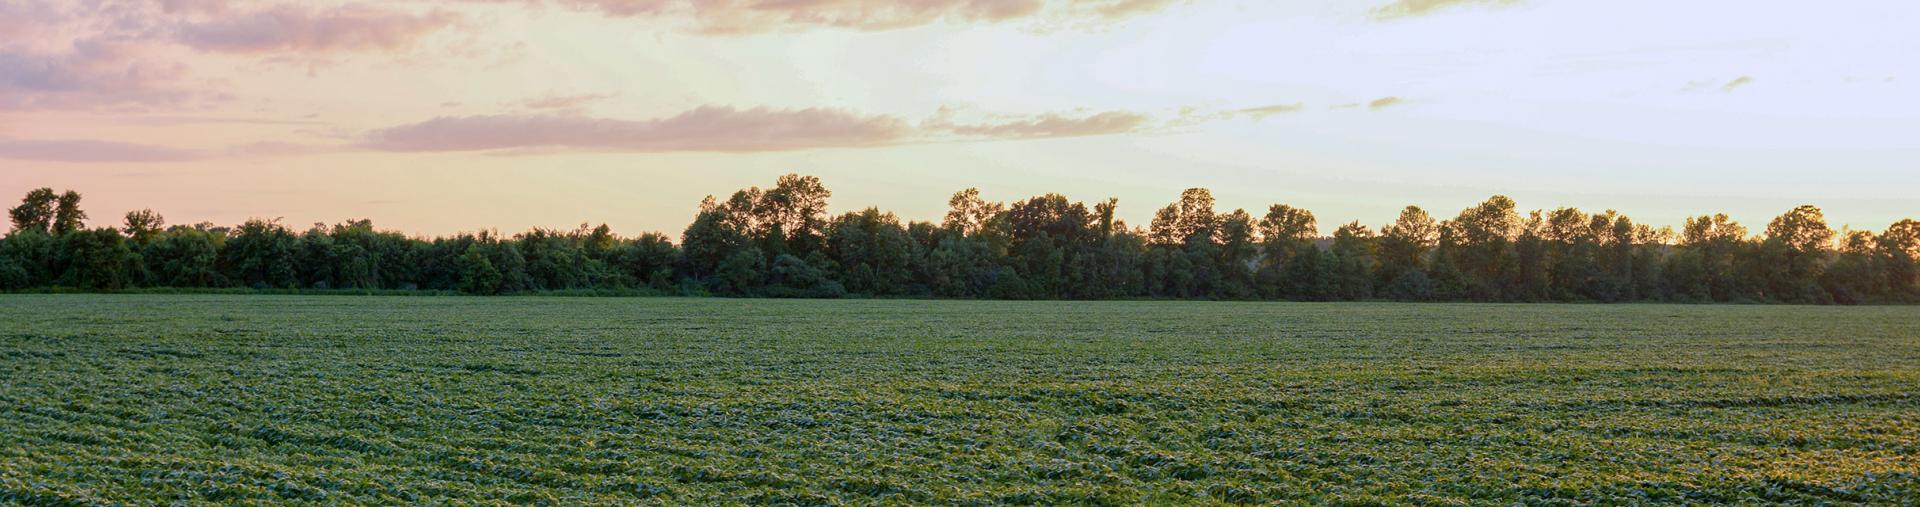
(781, 242)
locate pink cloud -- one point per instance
(756, 16)
(27, 19)
(564, 102)
(724, 129)
(193, 6)
(63, 150)
(293, 28)
(719, 129)
(93, 73)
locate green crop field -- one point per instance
(282, 399)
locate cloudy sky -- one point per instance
(443, 116)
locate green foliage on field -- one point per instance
(220, 399)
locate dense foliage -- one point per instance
(781, 242)
(229, 400)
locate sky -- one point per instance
(435, 117)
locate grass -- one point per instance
(277, 399)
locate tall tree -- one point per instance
(67, 215)
(1404, 247)
(1483, 252)
(1286, 232)
(1239, 253)
(98, 259)
(1706, 265)
(143, 225)
(1353, 256)
(261, 254)
(35, 212)
(967, 213)
(1800, 237)
(1899, 251)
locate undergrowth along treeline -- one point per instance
(780, 242)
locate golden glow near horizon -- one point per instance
(436, 117)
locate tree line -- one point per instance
(780, 242)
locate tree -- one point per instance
(142, 226)
(741, 273)
(1239, 255)
(1851, 278)
(35, 212)
(1571, 239)
(713, 237)
(1801, 238)
(1353, 254)
(795, 277)
(1483, 248)
(778, 242)
(648, 260)
(1403, 251)
(185, 257)
(67, 216)
(97, 259)
(1899, 254)
(795, 208)
(261, 254)
(871, 250)
(28, 257)
(967, 213)
(478, 275)
(1707, 260)
(1186, 218)
(1286, 233)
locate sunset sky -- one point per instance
(438, 117)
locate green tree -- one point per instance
(871, 250)
(142, 226)
(478, 275)
(1287, 233)
(1851, 278)
(967, 213)
(97, 259)
(1239, 255)
(261, 254)
(1483, 248)
(35, 212)
(1353, 258)
(1403, 251)
(1707, 260)
(1899, 253)
(1801, 239)
(185, 257)
(67, 215)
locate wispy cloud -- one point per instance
(1716, 85)
(1051, 125)
(310, 30)
(722, 129)
(168, 120)
(70, 150)
(727, 129)
(1412, 8)
(274, 149)
(91, 74)
(1384, 102)
(1262, 112)
(1736, 83)
(725, 17)
(558, 102)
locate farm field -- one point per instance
(515, 400)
